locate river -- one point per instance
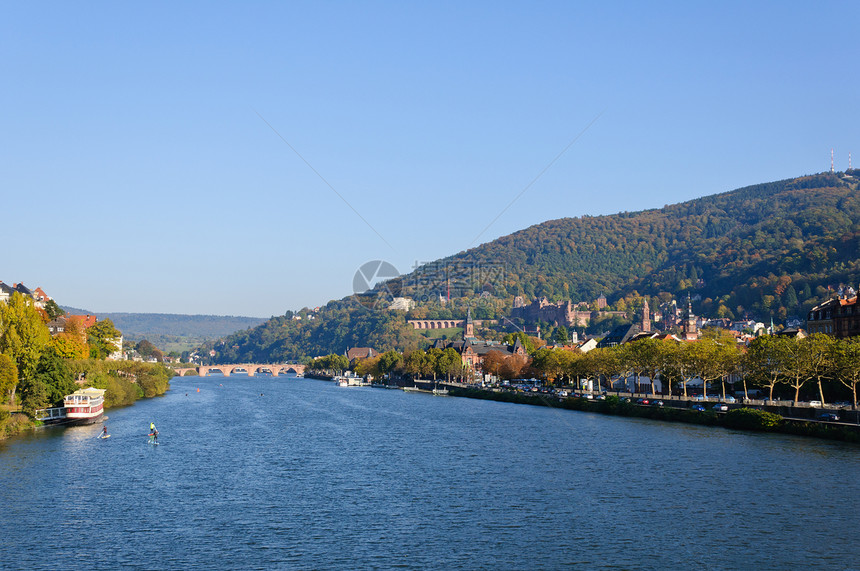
(286, 473)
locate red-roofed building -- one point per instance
(40, 295)
(357, 353)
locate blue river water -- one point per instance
(286, 473)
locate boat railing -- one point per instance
(50, 413)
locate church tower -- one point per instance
(646, 318)
(469, 330)
(689, 324)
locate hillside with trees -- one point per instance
(768, 251)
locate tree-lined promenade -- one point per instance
(818, 366)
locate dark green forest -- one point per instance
(768, 251)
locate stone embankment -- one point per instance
(799, 420)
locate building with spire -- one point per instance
(688, 327)
(646, 317)
(469, 328)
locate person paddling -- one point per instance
(104, 431)
(153, 433)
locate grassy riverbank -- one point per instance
(737, 419)
(12, 423)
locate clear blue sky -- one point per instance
(137, 174)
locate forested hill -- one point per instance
(754, 250)
(765, 251)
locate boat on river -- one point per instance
(85, 406)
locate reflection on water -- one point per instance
(281, 472)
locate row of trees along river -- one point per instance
(786, 365)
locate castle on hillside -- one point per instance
(560, 313)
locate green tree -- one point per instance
(820, 351)
(33, 393)
(605, 365)
(368, 366)
(8, 377)
(844, 357)
(644, 357)
(791, 298)
(711, 360)
(668, 364)
(55, 377)
(53, 310)
(413, 363)
(147, 349)
(527, 342)
(23, 336)
(430, 363)
(103, 339)
(798, 364)
(765, 361)
(389, 361)
(450, 363)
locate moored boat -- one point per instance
(84, 406)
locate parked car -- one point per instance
(828, 416)
(657, 403)
(815, 403)
(729, 398)
(698, 407)
(720, 407)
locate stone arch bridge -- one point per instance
(250, 369)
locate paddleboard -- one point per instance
(105, 436)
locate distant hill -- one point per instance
(165, 329)
(767, 251)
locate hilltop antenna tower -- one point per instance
(831, 160)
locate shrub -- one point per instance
(751, 419)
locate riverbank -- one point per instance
(125, 383)
(12, 423)
(736, 419)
